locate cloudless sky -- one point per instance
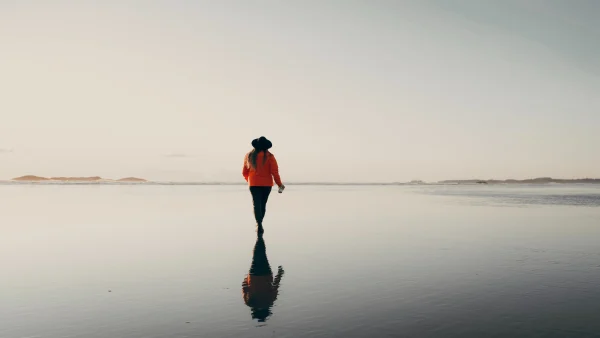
(347, 90)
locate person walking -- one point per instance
(260, 169)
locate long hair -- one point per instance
(252, 155)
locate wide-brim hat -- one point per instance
(261, 143)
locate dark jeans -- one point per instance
(260, 195)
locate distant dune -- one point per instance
(33, 178)
(131, 179)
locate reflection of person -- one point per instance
(260, 167)
(259, 288)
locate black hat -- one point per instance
(261, 143)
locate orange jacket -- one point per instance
(264, 173)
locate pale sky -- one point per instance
(347, 90)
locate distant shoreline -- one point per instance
(139, 181)
(539, 180)
(62, 179)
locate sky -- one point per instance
(347, 90)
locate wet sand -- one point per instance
(175, 261)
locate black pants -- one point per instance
(260, 196)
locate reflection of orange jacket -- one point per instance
(260, 290)
(264, 172)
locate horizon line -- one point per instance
(414, 182)
(137, 180)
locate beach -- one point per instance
(398, 261)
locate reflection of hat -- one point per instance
(261, 143)
(261, 314)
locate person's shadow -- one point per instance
(259, 288)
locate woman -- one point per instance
(259, 288)
(260, 168)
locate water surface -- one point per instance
(356, 261)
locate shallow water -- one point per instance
(356, 261)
